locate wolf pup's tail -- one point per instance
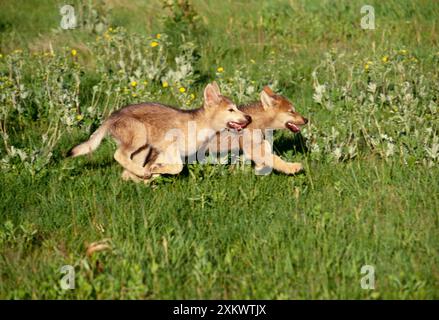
(92, 143)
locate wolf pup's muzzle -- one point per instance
(238, 126)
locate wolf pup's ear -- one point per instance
(268, 91)
(267, 99)
(215, 85)
(211, 95)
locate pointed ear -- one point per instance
(211, 95)
(268, 91)
(267, 100)
(215, 85)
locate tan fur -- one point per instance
(272, 112)
(142, 129)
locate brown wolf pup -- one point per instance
(171, 133)
(272, 112)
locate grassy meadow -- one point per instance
(369, 194)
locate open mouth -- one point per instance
(238, 126)
(293, 127)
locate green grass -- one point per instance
(220, 231)
(226, 234)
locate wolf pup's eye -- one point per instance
(231, 110)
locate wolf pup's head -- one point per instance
(221, 111)
(280, 111)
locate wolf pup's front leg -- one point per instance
(261, 154)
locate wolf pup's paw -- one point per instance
(155, 167)
(151, 179)
(147, 174)
(294, 168)
(126, 175)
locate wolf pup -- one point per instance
(271, 112)
(169, 132)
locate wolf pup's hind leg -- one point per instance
(131, 136)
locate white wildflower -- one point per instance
(372, 87)
(320, 90)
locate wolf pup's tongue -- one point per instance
(236, 125)
(293, 127)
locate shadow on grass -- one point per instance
(286, 142)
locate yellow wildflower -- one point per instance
(145, 83)
(79, 117)
(158, 36)
(220, 69)
(133, 84)
(74, 52)
(385, 59)
(165, 84)
(134, 95)
(154, 44)
(182, 89)
(192, 96)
